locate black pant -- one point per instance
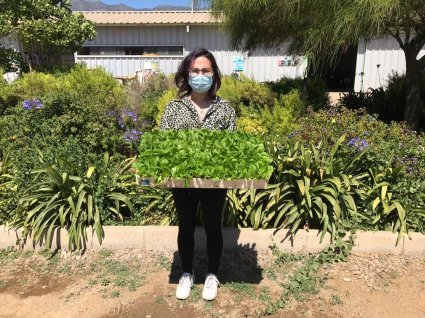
(212, 203)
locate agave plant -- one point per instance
(60, 198)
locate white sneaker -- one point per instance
(185, 285)
(210, 287)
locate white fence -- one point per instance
(128, 65)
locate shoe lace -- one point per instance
(185, 280)
(211, 281)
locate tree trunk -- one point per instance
(414, 103)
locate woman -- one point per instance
(198, 80)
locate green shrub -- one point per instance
(8, 187)
(246, 92)
(61, 197)
(388, 103)
(145, 96)
(281, 119)
(388, 146)
(162, 102)
(313, 90)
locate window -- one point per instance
(132, 50)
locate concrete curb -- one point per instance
(164, 238)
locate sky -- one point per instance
(149, 4)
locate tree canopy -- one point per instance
(323, 29)
(48, 24)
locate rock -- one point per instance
(346, 279)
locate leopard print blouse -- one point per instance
(181, 114)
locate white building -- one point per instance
(131, 41)
(11, 42)
(377, 59)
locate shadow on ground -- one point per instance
(239, 263)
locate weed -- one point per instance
(105, 253)
(120, 282)
(3, 283)
(9, 254)
(160, 299)
(92, 282)
(136, 282)
(208, 306)
(65, 268)
(104, 281)
(306, 280)
(132, 285)
(336, 300)
(242, 289)
(53, 260)
(163, 262)
(69, 296)
(196, 294)
(45, 252)
(115, 294)
(264, 295)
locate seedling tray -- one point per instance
(200, 183)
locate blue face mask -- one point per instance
(200, 83)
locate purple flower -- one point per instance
(132, 135)
(126, 117)
(27, 105)
(358, 143)
(30, 104)
(37, 103)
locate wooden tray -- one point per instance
(199, 183)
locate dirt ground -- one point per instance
(136, 283)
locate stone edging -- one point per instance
(164, 238)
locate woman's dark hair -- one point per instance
(182, 76)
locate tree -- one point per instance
(323, 29)
(48, 24)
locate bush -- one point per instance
(387, 103)
(245, 92)
(313, 90)
(389, 146)
(60, 196)
(162, 102)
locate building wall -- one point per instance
(261, 65)
(386, 53)
(10, 42)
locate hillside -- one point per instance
(97, 5)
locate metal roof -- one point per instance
(149, 17)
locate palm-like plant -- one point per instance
(385, 209)
(7, 187)
(60, 198)
(314, 186)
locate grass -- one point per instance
(114, 272)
